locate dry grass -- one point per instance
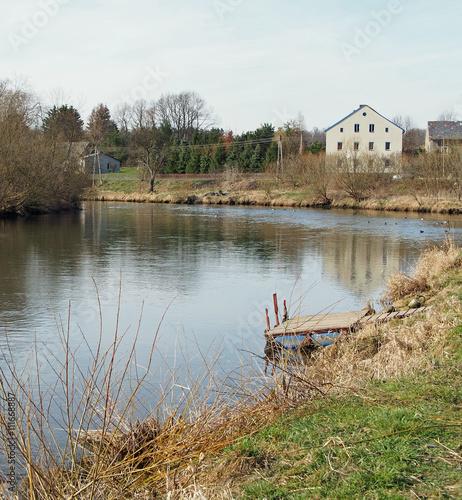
(381, 351)
(431, 264)
(95, 434)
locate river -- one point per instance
(205, 274)
(214, 268)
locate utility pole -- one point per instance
(279, 164)
(301, 150)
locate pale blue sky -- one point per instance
(253, 61)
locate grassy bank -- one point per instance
(376, 416)
(400, 195)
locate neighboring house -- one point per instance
(101, 163)
(364, 131)
(443, 134)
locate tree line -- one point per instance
(176, 134)
(41, 168)
(37, 174)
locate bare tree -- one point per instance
(149, 141)
(185, 112)
(33, 175)
(414, 137)
(122, 117)
(448, 115)
(358, 174)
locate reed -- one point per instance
(108, 428)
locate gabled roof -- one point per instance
(355, 111)
(444, 130)
(80, 148)
(101, 154)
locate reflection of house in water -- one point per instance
(362, 262)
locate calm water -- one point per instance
(217, 267)
(214, 268)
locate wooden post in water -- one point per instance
(276, 310)
(268, 326)
(286, 315)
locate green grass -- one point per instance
(399, 438)
(128, 171)
(120, 185)
(403, 439)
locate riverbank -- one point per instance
(376, 416)
(391, 196)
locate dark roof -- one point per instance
(444, 130)
(101, 154)
(355, 111)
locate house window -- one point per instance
(371, 127)
(371, 146)
(341, 129)
(339, 146)
(356, 127)
(356, 146)
(388, 146)
(387, 130)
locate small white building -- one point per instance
(101, 163)
(365, 131)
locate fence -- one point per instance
(219, 176)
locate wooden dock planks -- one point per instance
(343, 321)
(403, 313)
(316, 323)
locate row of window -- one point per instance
(356, 146)
(371, 128)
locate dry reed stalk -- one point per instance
(432, 263)
(381, 351)
(113, 448)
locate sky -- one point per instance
(252, 61)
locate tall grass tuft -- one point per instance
(107, 428)
(431, 263)
(377, 352)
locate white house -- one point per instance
(101, 163)
(365, 131)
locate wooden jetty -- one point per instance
(399, 314)
(318, 323)
(309, 328)
(302, 334)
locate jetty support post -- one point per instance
(268, 326)
(276, 309)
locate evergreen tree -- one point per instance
(171, 165)
(183, 158)
(218, 157)
(245, 158)
(63, 124)
(205, 163)
(255, 160)
(194, 163)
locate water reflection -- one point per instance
(220, 267)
